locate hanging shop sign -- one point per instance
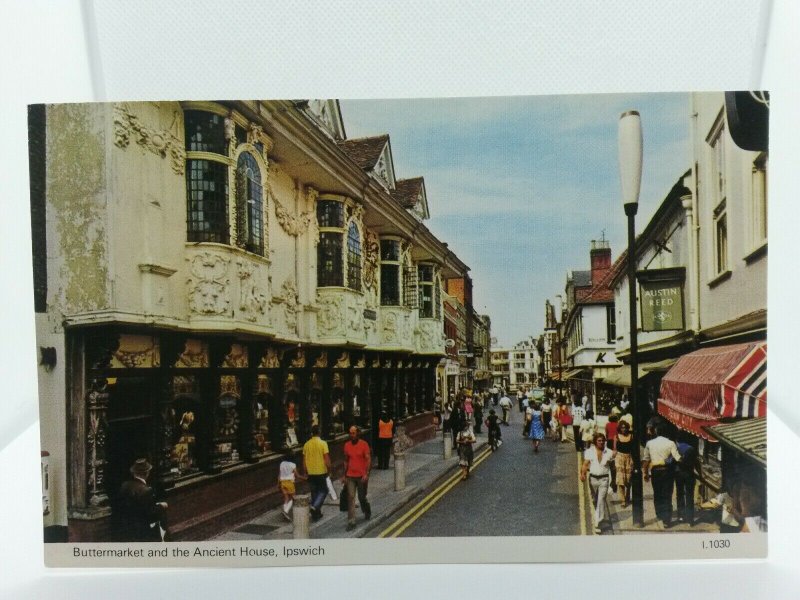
(661, 299)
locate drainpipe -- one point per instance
(695, 230)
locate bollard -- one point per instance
(448, 445)
(300, 517)
(399, 471)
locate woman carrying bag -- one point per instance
(565, 420)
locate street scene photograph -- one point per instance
(315, 319)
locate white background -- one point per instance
(87, 51)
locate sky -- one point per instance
(519, 186)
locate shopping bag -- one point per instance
(343, 499)
(331, 489)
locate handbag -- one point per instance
(331, 489)
(343, 499)
(565, 417)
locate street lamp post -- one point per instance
(630, 169)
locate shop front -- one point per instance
(744, 463)
(710, 387)
(214, 415)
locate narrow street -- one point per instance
(512, 492)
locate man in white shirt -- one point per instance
(505, 404)
(658, 461)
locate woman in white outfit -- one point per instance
(596, 463)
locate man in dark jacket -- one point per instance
(685, 479)
(138, 515)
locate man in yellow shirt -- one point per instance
(317, 463)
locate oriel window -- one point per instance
(249, 204)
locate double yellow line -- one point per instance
(419, 509)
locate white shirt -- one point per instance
(587, 429)
(598, 467)
(287, 471)
(657, 450)
(577, 415)
(505, 401)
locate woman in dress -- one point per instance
(537, 426)
(465, 440)
(623, 446)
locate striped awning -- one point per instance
(713, 383)
(748, 436)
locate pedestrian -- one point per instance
(447, 409)
(468, 408)
(588, 428)
(564, 420)
(685, 479)
(457, 420)
(536, 426)
(465, 452)
(547, 414)
(317, 465)
(478, 416)
(138, 517)
(438, 409)
(385, 435)
(493, 430)
(586, 404)
(660, 454)
(505, 404)
(611, 436)
(623, 446)
(595, 462)
(526, 421)
(577, 417)
(357, 462)
(623, 403)
(519, 401)
(287, 472)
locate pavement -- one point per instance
(622, 518)
(425, 467)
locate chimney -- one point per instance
(600, 257)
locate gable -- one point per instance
(374, 156)
(328, 114)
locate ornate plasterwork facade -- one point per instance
(127, 126)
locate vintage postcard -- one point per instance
(320, 331)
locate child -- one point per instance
(287, 472)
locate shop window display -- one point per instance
(261, 420)
(226, 421)
(185, 412)
(337, 405)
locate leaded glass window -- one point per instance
(330, 213)
(207, 189)
(329, 260)
(353, 258)
(390, 285)
(425, 273)
(205, 132)
(249, 204)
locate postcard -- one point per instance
(321, 331)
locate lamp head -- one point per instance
(630, 156)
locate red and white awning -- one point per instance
(713, 383)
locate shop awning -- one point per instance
(748, 436)
(712, 383)
(573, 373)
(621, 376)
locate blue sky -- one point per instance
(519, 186)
